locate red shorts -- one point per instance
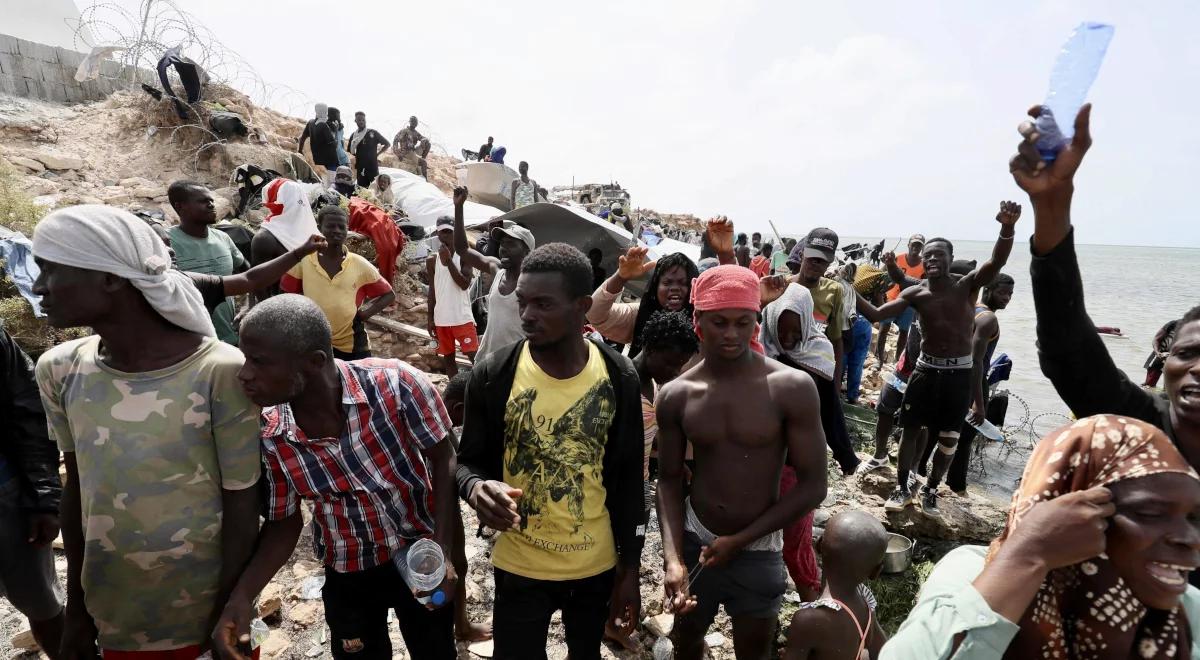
(468, 339)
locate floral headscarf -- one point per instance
(1095, 451)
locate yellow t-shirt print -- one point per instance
(556, 432)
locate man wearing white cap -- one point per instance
(160, 443)
(516, 242)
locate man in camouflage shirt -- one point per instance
(160, 444)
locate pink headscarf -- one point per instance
(727, 287)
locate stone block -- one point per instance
(89, 89)
(51, 73)
(23, 47)
(12, 64)
(30, 164)
(8, 44)
(68, 57)
(8, 85)
(58, 92)
(34, 89)
(47, 54)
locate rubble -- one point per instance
(127, 149)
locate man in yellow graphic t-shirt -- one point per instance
(551, 456)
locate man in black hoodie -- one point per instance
(29, 493)
(551, 456)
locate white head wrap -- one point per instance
(111, 240)
(814, 350)
(322, 111)
(291, 220)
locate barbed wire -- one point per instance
(1019, 438)
(162, 24)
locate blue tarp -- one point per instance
(17, 253)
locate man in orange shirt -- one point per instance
(910, 264)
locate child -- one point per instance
(841, 624)
(455, 397)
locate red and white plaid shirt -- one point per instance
(371, 486)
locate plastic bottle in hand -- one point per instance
(663, 650)
(424, 567)
(1074, 72)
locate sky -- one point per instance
(874, 118)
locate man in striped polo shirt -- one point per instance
(370, 443)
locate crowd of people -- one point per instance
(189, 441)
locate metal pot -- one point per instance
(899, 554)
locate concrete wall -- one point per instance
(37, 71)
(51, 22)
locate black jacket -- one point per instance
(24, 442)
(481, 450)
(1071, 352)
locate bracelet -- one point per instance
(1007, 238)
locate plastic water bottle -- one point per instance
(424, 567)
(896, 382)
(1074, 72)
(663, 650)
(258, 633)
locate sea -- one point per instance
(1135, 289)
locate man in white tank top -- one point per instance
(449, 308)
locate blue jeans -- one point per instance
(856, 356)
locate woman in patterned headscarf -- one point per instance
(1092, 563)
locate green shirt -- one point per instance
(949, 606)
(154, 451)
(215, 254)
(828, 311)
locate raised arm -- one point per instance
(1071, 352)
(1052, 187)
(269, 273)
(806, 454)
(719, 232)
(630, 266)
(1009, 213)
(898, 276)
(468, 257)
(461, 277)
(616, 320)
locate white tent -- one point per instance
(425, 203)
(559, 223)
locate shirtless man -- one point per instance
(744, 416)
(940, 388)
